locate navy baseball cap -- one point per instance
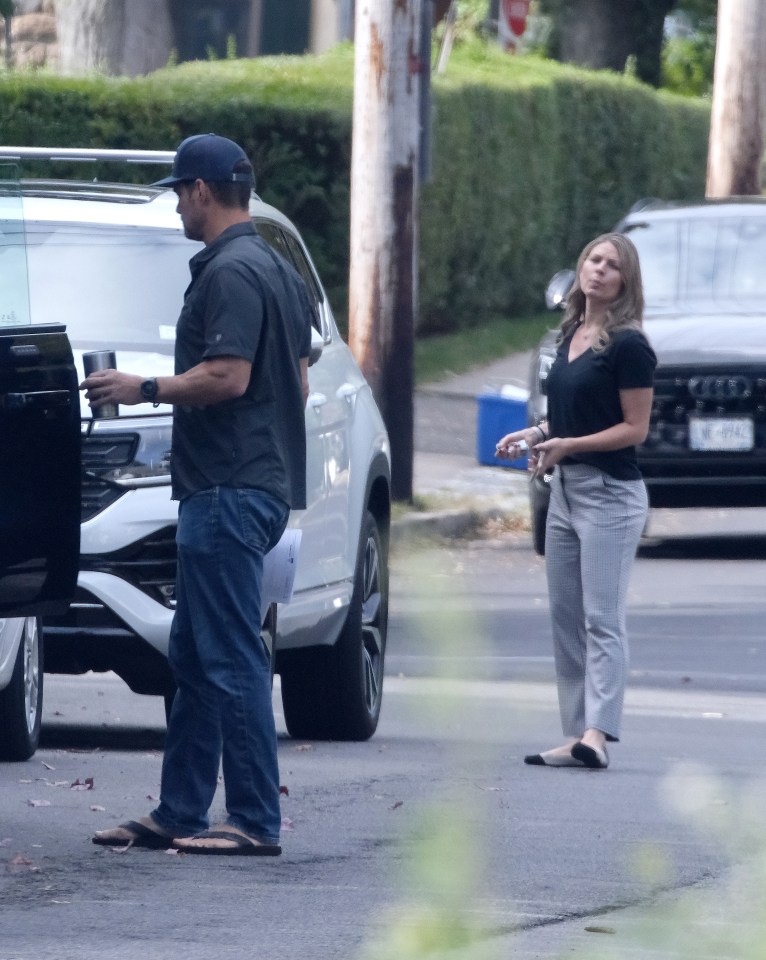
(208, 157)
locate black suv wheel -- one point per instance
(21, 702)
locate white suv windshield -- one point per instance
(14, 286)
(121, 285)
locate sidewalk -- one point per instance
(446, 467)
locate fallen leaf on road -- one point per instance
(284, 791)
(39, 803)
(600, 930)
(20, 861)
(287, 824)
(87, 784)
(399, 803)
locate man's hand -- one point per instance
(112, 386)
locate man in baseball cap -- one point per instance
(207, 157)
(237, 466)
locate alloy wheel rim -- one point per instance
(372, 628)
(31, 641)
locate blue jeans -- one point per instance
(222, 709)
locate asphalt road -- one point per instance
(695, 613)
(434, 831)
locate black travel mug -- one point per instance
(101, 360)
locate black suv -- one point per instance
(704, 273)
(39, 481)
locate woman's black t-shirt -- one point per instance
(584, 395)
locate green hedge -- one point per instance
(530, 158)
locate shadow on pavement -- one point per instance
(80, 738)
(740, 547)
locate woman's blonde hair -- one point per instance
(626, 312)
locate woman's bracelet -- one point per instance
(543, 434)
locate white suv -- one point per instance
(110, 262)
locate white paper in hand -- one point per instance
(279, 567)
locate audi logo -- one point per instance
(720, 388)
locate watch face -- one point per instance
(149, 389)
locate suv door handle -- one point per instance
(317, 400)
(36, 400)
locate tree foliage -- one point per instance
(688, 56)
(612, 33)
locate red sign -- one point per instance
(515, 14)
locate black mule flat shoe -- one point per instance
(551, 760)
(590, 757)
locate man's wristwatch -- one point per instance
(149, 391)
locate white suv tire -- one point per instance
(335, 693)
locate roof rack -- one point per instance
(86, 154)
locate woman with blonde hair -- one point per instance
(600, 391)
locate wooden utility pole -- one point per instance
(739, 89)
(7, 10)
(384, 220)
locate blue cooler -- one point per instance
(500, 413)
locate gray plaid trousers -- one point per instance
(592, 534)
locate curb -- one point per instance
(449, 524)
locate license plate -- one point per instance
(731, 433)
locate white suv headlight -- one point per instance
(129, 451)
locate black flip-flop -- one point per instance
(143, 836)
(244, 846)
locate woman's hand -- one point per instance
(548, 454)
(508, 447)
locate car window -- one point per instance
(123, 285)
(286, 245)
(748, 277)
(302, 265)
(725, 258)
(704, 259)
(658, 246)
(14, 282)
(274, 237)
